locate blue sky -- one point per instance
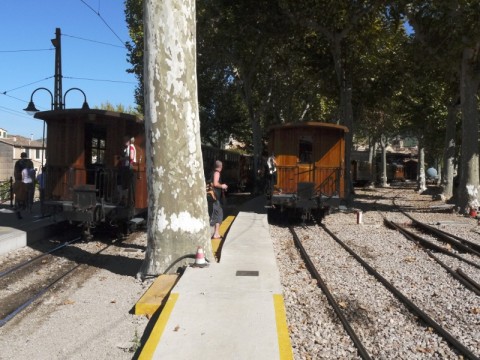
(93, 34)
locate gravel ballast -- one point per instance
(387, 329)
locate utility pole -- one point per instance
(57, 102)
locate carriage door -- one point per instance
(305, 159)
(95, 146)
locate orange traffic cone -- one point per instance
(200, 258)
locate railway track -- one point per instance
(26, 281)
(405, 301)
(19, 289)
(385, 326)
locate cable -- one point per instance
(25, 50)
(100, 16)
(104, 80)
(14, 112)
(94, 41)
(19, 87)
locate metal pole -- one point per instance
(43, 145)
(58, 103)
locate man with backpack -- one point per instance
(23, 192)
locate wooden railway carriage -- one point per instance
(310, 160)
(83, 177)
(237, 168)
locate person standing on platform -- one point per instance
(128, 161)
(272, 173)
(21, 164)
(217, 211)
(19, 187)
(28, 179)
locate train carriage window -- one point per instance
(98, 150)
(305, 150)
(95, 145)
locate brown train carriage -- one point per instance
(82, 164)
(310, 160)
(237, 167)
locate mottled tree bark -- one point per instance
(383, 145)
(372, 161)
(421, 179)
(177, 206)
(469, 181)
(449, 154)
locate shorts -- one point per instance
(217, 214)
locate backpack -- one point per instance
(211, 196)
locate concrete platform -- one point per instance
(156, 294)
(231, 310)
(16, 233)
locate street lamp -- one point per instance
(84, 106)
(31, 110)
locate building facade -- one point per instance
(10, 149)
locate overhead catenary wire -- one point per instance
(14, 112)
(104, 21)
(93, 41)
(102, 80)
(25, 50)
(22, 86)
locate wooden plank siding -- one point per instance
(324, 165)
(69, 158)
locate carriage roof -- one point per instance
(308, 124)
(90, 114)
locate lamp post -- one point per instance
(57, 102)
(31, 109)
(85, 104)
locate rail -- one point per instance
(462, 349)
(328, 178)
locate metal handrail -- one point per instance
(60, 182)
(332, 181)
(329, 187)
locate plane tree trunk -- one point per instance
(177, 206)
(469, 181)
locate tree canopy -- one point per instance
(263, 62)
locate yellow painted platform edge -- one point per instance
(215, 245)
(217, 242)
(225, 225)
(157, 331)
(144, 308)
(284, 344)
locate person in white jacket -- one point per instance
(28, 178)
